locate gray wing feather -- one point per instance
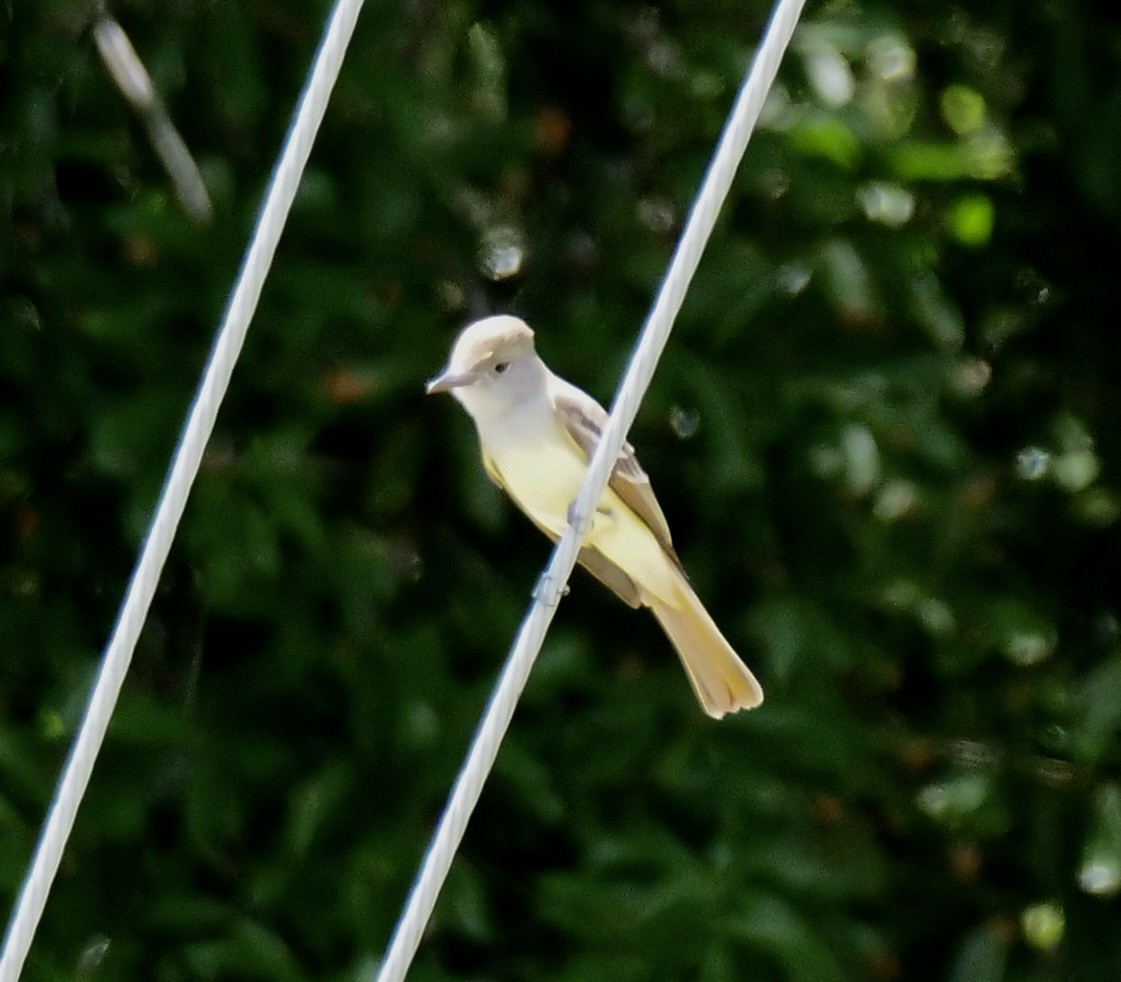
(584, 419)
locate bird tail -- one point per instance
(722, 682)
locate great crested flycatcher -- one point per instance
(537, 432)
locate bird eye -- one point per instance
(500, 367)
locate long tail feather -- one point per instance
(722, 682)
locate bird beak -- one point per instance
(449, 380)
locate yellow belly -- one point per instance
(544, 481)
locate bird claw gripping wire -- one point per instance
(582, 524)
(546, 591)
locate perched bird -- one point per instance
(537, 433)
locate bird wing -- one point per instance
(610, 575)
(584, 420)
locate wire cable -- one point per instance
(185, 464)
(531, 635)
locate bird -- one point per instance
(537, 433)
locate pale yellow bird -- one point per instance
(537, 432)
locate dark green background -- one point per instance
(885, 433)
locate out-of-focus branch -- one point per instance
(132, 78)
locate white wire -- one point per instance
(188, 454)
(655, 332)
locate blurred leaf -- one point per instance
(1100, 872)
(1098, 702)
(982, 957)
(769, 924)
(971, 220)
(829, 138)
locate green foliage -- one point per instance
(885, 434)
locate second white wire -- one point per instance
(188, 455)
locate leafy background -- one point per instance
(885, 433)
